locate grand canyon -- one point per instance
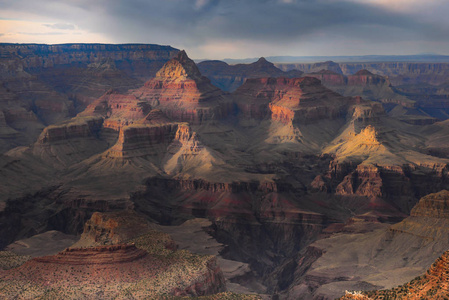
(131, 171)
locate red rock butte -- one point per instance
(291, 99)
(179, 80)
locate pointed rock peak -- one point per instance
(182, 57)
(263, 61)
(364, 72)
(180, 67)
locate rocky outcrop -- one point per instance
(367, 255)
(230, 77)
(210, 282)
(47, 84)
(245, 215)
(398, 184)
(148, 265)
(141, 140)
(183, 94)
(312, 67)
(398, 72)
(364, 181)
(403, 72)
(129, 56)
(118, 110)
(298, 100)
(75, 128)
(364, 84)
(365, 77)
(432, 285)
(178, 91)
(330, 78)
(433, 205)
(111, 228)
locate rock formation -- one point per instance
(415, 92)
(312, 67)
(230, 77)
(397, 72)
(432, 285)
(297, 100)
(369, 86)
(46, 84)
(149, 265)
(183, 94)
(111, 271)
(367, 255)
(279, 159)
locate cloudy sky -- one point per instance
(236, 28)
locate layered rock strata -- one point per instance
(230, 77)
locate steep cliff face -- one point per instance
(432, 285)
(330, 78)
(366, 255)
(298, 100)
(365, 77)
(142, 140)
(183, 94)
(75, 128)
(130, 57)
(246, 215)
(433, 205)
(70, 142)
(407, 88)
(51, 83)
(364, 84)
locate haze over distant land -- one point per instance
(360, 58)
(216, 29)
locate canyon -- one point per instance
(311, 183)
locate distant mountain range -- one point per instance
(363, 58)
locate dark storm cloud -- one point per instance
(262, 20)
(194, 22)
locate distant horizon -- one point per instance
(273, 58)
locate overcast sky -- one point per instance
(220, 29)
